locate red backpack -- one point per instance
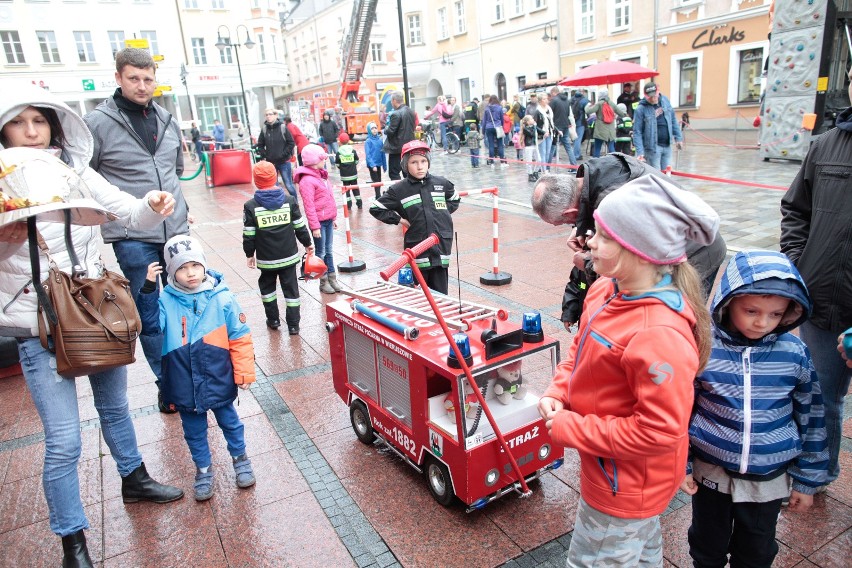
(607, 115)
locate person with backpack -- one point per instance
(605, 112)
(445, 118)
(275, 144)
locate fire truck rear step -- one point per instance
(412, 301)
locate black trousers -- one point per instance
(376, 177)
(437, 279)
(394, 167)
(289, 287)
(721, 527)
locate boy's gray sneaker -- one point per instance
(245, 474)
(204, 484)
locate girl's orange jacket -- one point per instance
(627, 386)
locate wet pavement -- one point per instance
(323, 498)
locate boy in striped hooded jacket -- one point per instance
(757, 424)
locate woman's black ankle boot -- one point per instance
(76, 552)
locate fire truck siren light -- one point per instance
(532, 327)
(405, 277)
(462, 341)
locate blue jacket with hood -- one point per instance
(758, 406)
(207, 346)
(373, 149)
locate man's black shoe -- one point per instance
(164, 408)
(273, 324)
(293, 330)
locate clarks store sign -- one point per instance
(715, 36)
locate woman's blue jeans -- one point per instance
(325, 244)
(55, 399)
(195, 433)
(834, 377)
(286, 171)
(495, 144)
(443, 126)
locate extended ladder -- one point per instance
(412, 301)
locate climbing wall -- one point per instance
(796, 80)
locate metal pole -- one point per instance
(402, 49)
(243, 89)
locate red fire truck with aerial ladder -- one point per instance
(358, 112)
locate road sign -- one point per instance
(139, 43)
(164, 88)
(159, 57)
(88, 84)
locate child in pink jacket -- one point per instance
(320, 208)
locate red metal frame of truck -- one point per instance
(396, 390)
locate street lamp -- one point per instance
(222, 43)
(183, 76)
(552, 37)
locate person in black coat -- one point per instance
(399, 131)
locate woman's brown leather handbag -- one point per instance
(93, 321)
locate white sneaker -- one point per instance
(504, 165)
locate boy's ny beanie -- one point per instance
(265, 175)
(313, 154)
(181, 249)
(653, 218)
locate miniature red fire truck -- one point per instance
(404, 384)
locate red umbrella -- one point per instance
(608, 73)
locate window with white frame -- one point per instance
(461, 23)
(226, 55)
(377, 52)
(443, 31)
(517, 7)
(415, 30)
(686, 80)
(234, 110)
(208, 110)
(190, 4)
(274, 41)
(314, 66)
(499, 15)
(620, 15)
(199, 55)
(539, 4)
(151, 36)
(116, 41)
(85, 47)
(585, 24)
(750, 69)
(261, 48)
(47, 43)
(522, 82)
(217, 4)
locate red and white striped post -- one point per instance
(350, 265)
(495, 277)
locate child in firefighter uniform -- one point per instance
(422, 203)
(347, 162)
(272, 222)
(207, 353)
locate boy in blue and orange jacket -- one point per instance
(207, 353)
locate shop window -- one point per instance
(750, 69)
(208, 111)
(688, 82)
(234, 110)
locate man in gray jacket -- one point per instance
(137, 147)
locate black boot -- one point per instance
(138, 486)
(76, 554)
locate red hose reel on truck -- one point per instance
(465, 420)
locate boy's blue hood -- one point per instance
(763, 272)
(370, 134)
(271, 199)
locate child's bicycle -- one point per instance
(429, 136)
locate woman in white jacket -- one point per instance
(33, 118)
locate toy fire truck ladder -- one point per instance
(356, 46)
(412, 301)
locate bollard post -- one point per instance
(495, 277)
(350, 265)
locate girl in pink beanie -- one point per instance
(320, 209)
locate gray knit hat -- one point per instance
(653, 218)
(181, 249)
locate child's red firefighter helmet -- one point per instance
(415, 147)
(313, 267)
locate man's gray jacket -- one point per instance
(122, 158)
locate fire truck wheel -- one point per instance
(361, 422)
(439, 482)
